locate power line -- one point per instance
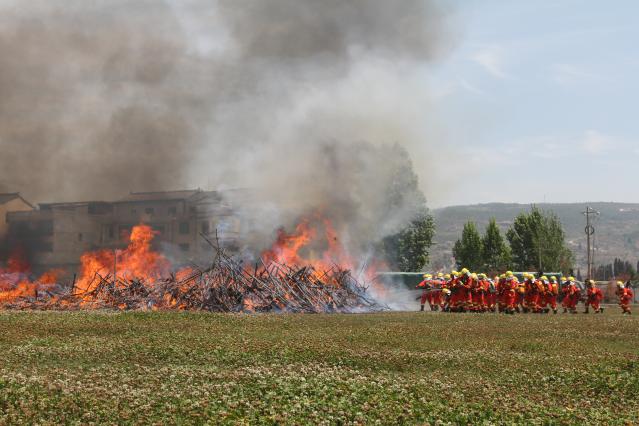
(590, 236)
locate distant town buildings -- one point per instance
(57, 234)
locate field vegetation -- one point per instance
(408, 368)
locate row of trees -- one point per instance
(536, 241)
(618, 269)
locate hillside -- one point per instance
(617, 228)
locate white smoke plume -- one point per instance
(312, 103)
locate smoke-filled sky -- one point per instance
(99, 98)
(493, 100)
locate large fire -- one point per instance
(138, 261)
(313, 246)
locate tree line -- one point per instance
(536, 241)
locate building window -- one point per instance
(185, 247)
(134, 212)
(205, 227)
(149, 210)
(111, 232)
(46, 227)
(184, 228)
(172, 211)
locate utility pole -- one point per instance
(590, 236)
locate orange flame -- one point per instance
(138, 261)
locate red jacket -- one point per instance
(594, 294)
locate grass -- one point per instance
(403, 368)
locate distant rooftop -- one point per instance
(162, 195)
(10, 196)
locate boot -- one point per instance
(422, 308)
(554, 311)
(601, 310)
(586, 311)
(565, 311)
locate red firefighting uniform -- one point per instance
(435, 294)
(510, 295)
(425, 286)
(625, 299)
(550, 295)
(491, 295)
(571, 297)
(478, 291)
(531, 296)
(594, 298)
(460, 299)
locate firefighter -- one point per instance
(424, 285)
(460, 291)
(550, 295)
(491, 297)
(501, 293)
(477, 293)
(531, 295)
(565, 297)
(510, 294)
(436, 292)
(594, 298)
(572, 296)
(625, 294)
(539, 289)
(443, 302)
(520, 298)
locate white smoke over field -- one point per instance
(313, 103)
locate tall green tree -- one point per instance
(408, 250)
(538, 242)
(495, 252)
(468, 250)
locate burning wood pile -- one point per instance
(226, 285)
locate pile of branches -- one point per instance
(227, 285)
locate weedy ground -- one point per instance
(392, 368)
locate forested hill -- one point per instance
(617, 228)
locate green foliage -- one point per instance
(408, 225)
(408, 249)
(468, 250)
(537, 241)
(496, 255)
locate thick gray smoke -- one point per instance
(302, 99)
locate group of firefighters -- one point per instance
(464, 291)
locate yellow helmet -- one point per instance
(454, 273)
(571, 278)
(563, 279)
(446, 291)
(447, 276)
(440, 275)
(544, 278)
(465, 271)
(425, 276)
(502, 276)
(509, 273)
(474, 276)
(553, 279)
(619, 284)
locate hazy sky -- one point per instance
(538, 102)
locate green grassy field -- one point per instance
(389, 368)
